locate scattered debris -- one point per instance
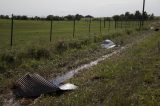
(157, 29)
(68, 86)
(33, 85)
(108, 44)
(152, 28)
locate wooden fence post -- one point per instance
(11, 40)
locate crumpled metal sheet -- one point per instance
(33, 85)
(108, 44)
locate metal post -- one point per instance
(90, 26)
(115, 24)
(121, 23)
(100, 25)
(126, 24)
(11, 42)
(109, 24)
(74, 25)
(104, 23)
(51, 31)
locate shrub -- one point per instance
(97, 39)
(75, 44)
(61, 46)
(38, 53)
(43, 53)
(2, 69)
(86, 41)
(8, 58)
(128, 32)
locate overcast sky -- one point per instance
(98, 8)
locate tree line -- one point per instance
(134, 16)
(127, 16)
(49, 17)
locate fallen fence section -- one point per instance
(33, 85)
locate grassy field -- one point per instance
(35, 32)
(129, 79)
(33, 53)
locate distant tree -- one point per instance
(24, 17)
(116, 17)
(107, 18)
(122, 16)
(50, 17)
(146, 16)
(4, 17)
(69, 17)
(127, 14)
(78, 17)
(36, 18)
(89, 16)
(137, 15)
(151, 17)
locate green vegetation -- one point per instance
(32, 52)
(27, 32)
(131, 78)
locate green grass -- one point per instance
(33, 53)
(37, 32)
(131, 78)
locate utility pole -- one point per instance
(143, 12)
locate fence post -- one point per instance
(104, 23)
(11, 40)
(109, 25)
(115, 24)
(126, 24)
(89, 25)
(100, 25)
(51, 31)
(74, 25)
(121, 23)
(140, 24)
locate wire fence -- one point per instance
(20, 32)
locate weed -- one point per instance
(2, 70)
(8, 58)
(129, 31)
(38, 53)
(61, 46)
(75, 44)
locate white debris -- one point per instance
(152, 28)
(108, 44)
(68, 86)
